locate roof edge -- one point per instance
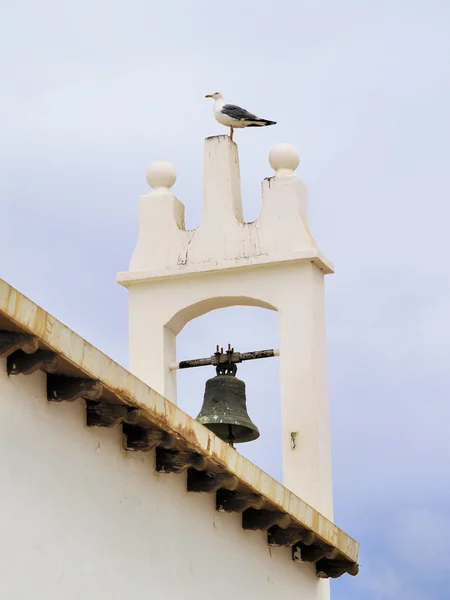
(24, 316)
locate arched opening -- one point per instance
(246, 328)
(197, 309)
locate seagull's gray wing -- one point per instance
(238, 113)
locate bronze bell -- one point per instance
(224, 409)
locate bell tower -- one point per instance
(176, 275)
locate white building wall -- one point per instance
(82, 519)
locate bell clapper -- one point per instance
(230, 438)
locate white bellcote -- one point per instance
(176, 275)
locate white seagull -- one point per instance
(233, 116)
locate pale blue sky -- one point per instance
(94, 91)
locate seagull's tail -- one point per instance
(262, 123)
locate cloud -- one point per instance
(386, 583)
(421, 538)
(410, 557)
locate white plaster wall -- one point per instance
(80, 518)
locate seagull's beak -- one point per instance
(208, 96)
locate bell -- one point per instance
(224, 409)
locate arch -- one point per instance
(197, 309)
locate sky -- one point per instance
(94, 91)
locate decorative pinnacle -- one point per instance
(284, 159)
(161, 176)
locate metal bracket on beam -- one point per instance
(290, 537)
(206, 481)
(316, 553)
(335, 568)
(177, 461)
(238, 501)
(20, 363)
(61, 388)
(10, 341)
(137, 437)
(264, 519)
(102, 414)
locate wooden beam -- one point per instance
(317, 552)
(221, 357)
(145, 438)
(206, 481)
(289, 537)
(101, 414)
(21, 363)
(61, 388)
(335, 568)
(238, 501)
(10, 341)
(264, 519)
(177, 461)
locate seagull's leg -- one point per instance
(231, 133)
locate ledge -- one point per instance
(128, 278)
(32, 339)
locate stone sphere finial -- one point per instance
(284, 159)
(161, 176)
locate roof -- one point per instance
(32, 339)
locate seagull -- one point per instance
(233, 116)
